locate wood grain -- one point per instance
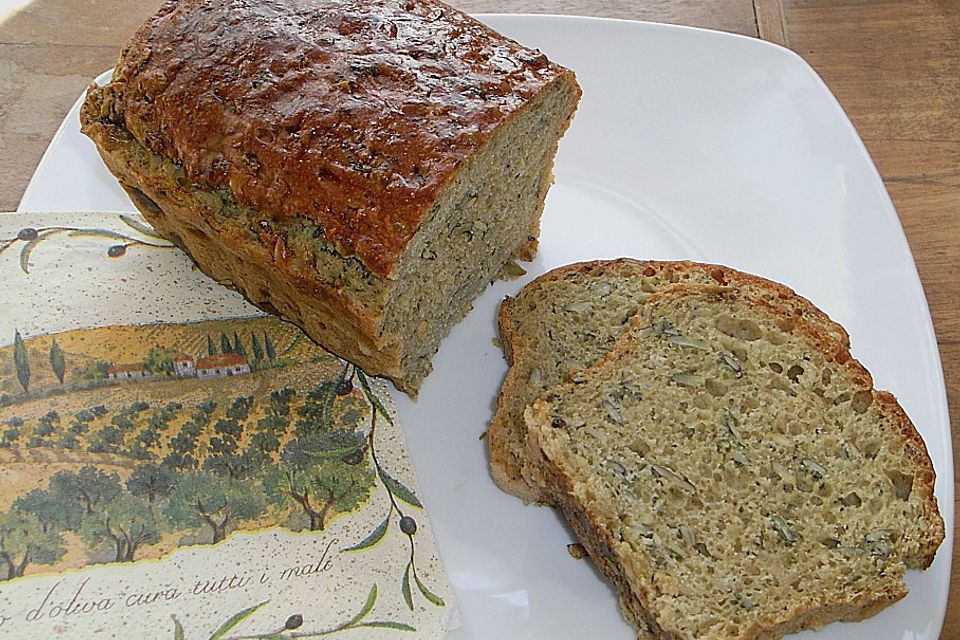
(735, 16)
(771, 21)
(77, 22)
(34, 98)
(894, 66)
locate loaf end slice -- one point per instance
(568, 318)
(735, 503)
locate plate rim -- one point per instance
(888, 209)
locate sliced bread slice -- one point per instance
(734, 502)
(569, 317)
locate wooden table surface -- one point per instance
(894, 65)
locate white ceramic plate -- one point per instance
(688, 144)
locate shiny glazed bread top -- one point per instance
(352, 113)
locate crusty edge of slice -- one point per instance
(599, 543)
(502, 470)
(928, 477)
(513, 350)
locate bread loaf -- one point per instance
(568, 318)
(363, 168)
(733, 471)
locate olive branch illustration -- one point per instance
(32, 237)
(397, 493)
(290, 628)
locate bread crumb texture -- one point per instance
(568, 318)
(734, 472)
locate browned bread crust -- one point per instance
(362, 168)
(524, 320)
(351, 113)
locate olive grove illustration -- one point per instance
(119, 444)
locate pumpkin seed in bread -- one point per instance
(568, 318)
(737, 502)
